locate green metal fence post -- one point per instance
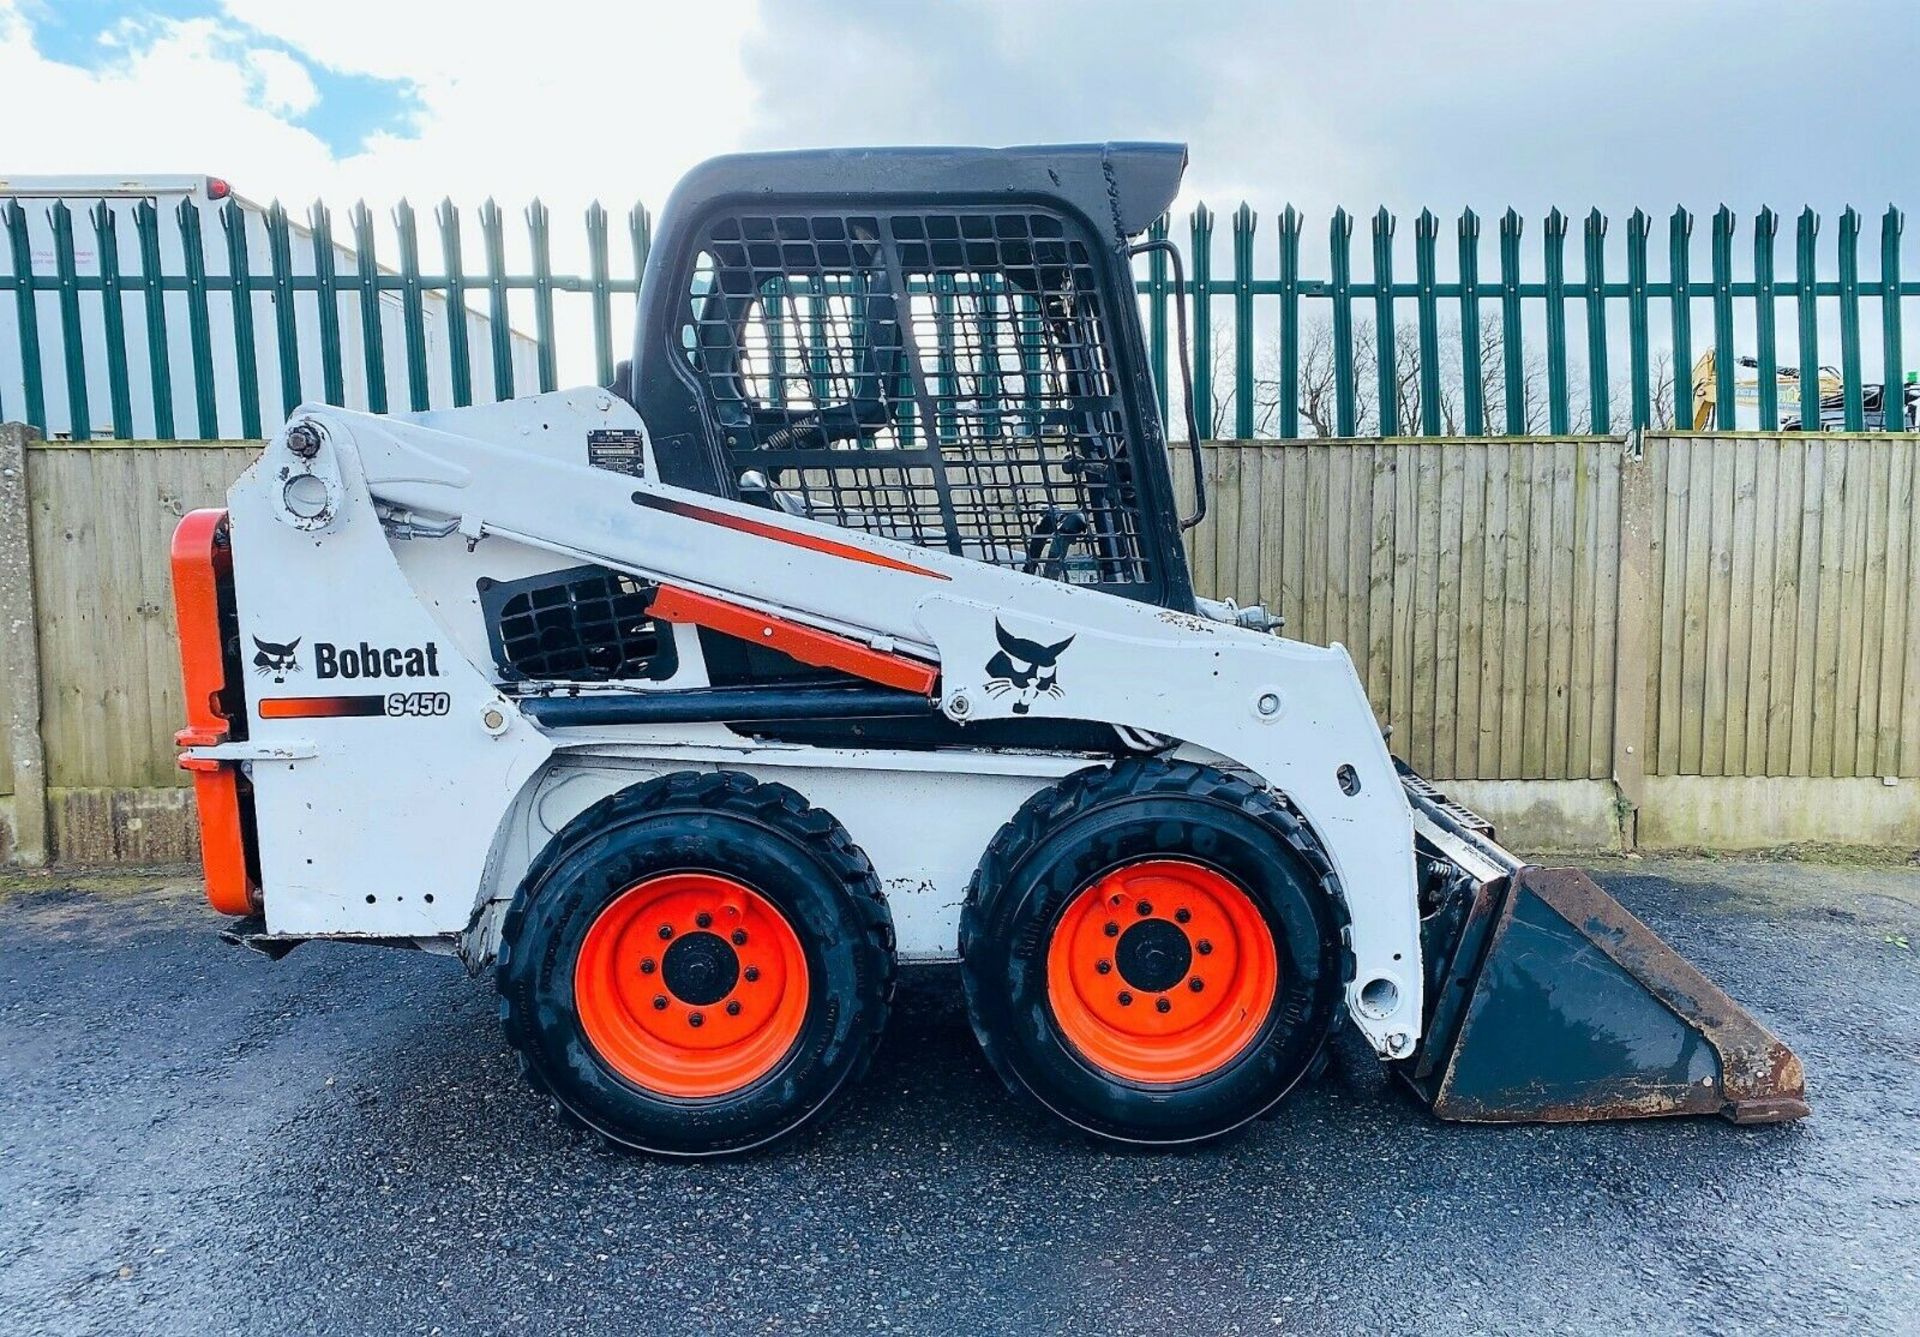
(1289, 369)
(1766, 226)
(285, 317)
(326, 293)
(146, 222)
(1514, 386)
(372, 331)
(106, 242)
(1723, 358)
(1202, 318)
(537, 234)
(233, 218)
(1807, 313)
(73, 343)
(1340, 286)
(1679, 263)
(946, 425)
(412, 306)
(602, 293)
(499, 328)
(1554, 239)
(1473, 398)
(1385, 335)
(27, 315)
(1893, 389)
(1850, 386)
(1599, 385)
(459, 354)
(1157, 313)
(1243, 225)
(206, 401)
(1426, 234)
(1639, 354)
(986, 303)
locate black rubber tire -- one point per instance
(1096, 820)
(766, 835)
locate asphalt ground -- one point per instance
(194, 1139)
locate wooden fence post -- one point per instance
(1631, 637)
(20, 652)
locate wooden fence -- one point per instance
(1616, 612)
(1774, 631)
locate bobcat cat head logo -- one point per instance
(275, 659)
(1022, 666)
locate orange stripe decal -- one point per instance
(809, 645)
(759, 529)
(320, 707)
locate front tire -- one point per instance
(1153, 951)
(698, 965)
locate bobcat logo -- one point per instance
(276, 660)
(1022, 666)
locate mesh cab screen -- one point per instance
(944, 378)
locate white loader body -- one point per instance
(418, 822)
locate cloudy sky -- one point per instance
(1442, 103)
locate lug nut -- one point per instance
(647, 966)
(694, 1019)
(1145, 907)
(1104, 967)
(733, 1008)
(666, 931)
(1126, 999)
(1182, 915)
(1203, 947)
(659, 1002)
(1162, 1005)
(739, 937)
(1112, 930)
(703, 919)
(753, 973)
(1196, 984)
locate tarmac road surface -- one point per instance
(194, 1139)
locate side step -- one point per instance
(1558, 1005)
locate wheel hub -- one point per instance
(1153, 955)
(700, 969)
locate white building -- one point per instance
(210, 195)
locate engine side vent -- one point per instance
(583, 624)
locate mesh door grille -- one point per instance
(944, 378)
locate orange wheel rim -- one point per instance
(691, 985)
(1162, 971)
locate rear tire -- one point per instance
(698, 965)
(1153, 951)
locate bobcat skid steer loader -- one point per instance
(851, 627)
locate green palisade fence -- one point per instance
(1515, 333)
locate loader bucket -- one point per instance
(1554, 1004)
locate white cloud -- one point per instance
(285, 87)
(571, 101)
(183, 100)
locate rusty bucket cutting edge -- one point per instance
(1557, 1005)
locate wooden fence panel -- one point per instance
(1475, 584)
(1786, 606)
(103, 518)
